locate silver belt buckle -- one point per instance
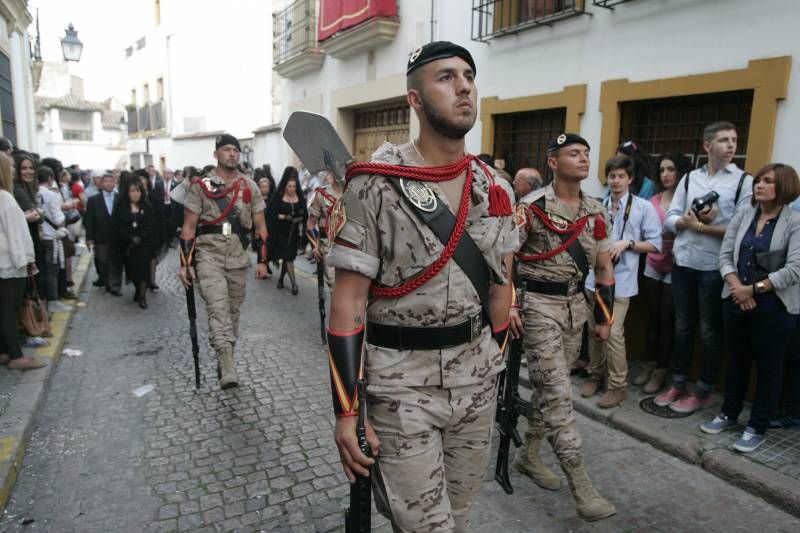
(226, 228)
(475, 326)
(572, 287)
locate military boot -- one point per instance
(589, 504)
(229, 378)
(529, 462)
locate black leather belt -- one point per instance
(554, 288)
(426, 338)
(212, 230)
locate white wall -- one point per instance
(268, 148)
(197, 152)
(640, 40)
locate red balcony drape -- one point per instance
(338, 15)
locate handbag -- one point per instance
(771, 261)
(33, 313)
(69, 247)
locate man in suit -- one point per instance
(100, 235)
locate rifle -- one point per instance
(193, 333)
(509, 408)
(313, 238)
(357, 517)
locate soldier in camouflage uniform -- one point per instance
(550, 221)
(219, 211)
(432, 355)
(319, 211)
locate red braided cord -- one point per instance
(224, 215)
(435, 174)
(574, 228)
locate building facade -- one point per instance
(190, 76)
(17, 120)
(653, 71)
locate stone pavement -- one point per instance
(261, 457)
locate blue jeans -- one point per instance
(698, 300)
(761, 335)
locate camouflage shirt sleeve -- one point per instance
(193, 200)
(356, 245)
(256, 198)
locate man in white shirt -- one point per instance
(52, 230)
(696, 281)
(636, 230)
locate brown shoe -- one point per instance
(591, 386)
(656, 381)
(612, 398)
(26, 363)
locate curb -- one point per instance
(766, 483)
(17, 422)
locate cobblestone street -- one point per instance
(262, 457)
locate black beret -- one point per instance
(227, 138)
(565, 139)
(438, 50)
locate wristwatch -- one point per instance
(760, 287)
(631, 244)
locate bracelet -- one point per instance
(700, 227)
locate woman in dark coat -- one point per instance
(286, 218)
(26, 190)
(136, 227)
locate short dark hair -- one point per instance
(715, 127)
(52, 163)
(44, 174)
(787, 183)
(620, 162)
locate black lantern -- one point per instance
(71, 45)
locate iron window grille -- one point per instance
(676, 123)
(608, 4)
(76, 135)
(294, 30)
(495, 18)
(521, 139)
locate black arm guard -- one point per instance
(346, 360)
(261, 248)
(604, 304)
(187, 252)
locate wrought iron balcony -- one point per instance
(495, 18)
(295, 49)
(608, 4)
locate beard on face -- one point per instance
(441, 124)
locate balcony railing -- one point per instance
(76, 135)
(146, 118)
(294, 30)
(608, 4)
(495, 18)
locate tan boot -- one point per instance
(591, 386)
(589, 504)
(656, 381)
(644, 375)
(229, 377)
(612, 398)
(529, 462)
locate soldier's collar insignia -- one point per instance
(420, 194)
(336, 219)
(519, 215)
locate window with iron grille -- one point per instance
(133, 119)
(7, 101)
(522, 138)
(666, 124)
(294, 30)
(75, 125)
(495, 18)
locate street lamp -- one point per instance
(71, 45)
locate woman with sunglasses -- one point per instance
(760, 261)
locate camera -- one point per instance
(707, 200)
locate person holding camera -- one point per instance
(760, 261)
(636, 230)
(703, 205)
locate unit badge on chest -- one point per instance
(420, 194)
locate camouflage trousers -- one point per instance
(553, 327)
(434, 451)
(223, 291)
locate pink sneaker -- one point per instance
(670, 395)
(691, 403)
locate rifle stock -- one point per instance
(192, 308)
(358, 516)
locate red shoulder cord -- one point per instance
(573, 229)
(215, 196)
(434, 174)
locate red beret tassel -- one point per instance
(599, 228)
